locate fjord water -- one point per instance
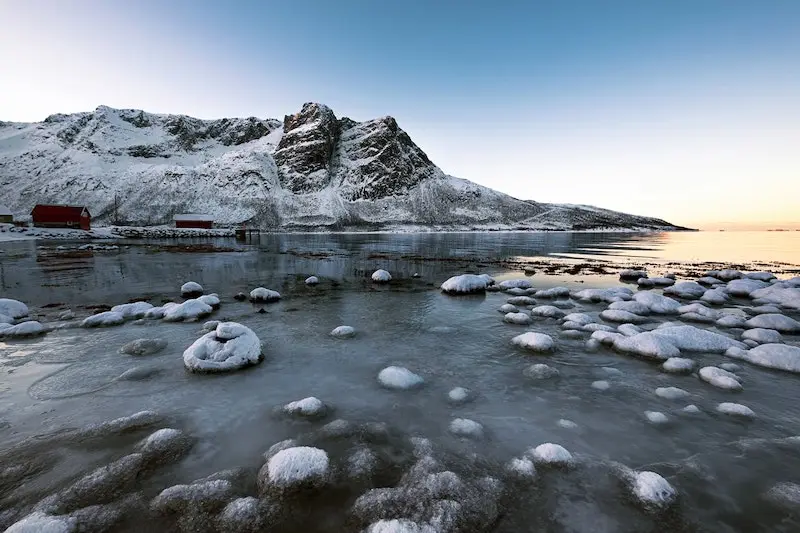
(68, 378)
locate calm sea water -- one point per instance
(68, 377)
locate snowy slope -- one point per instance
(313, 171)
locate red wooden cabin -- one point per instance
(61, 216)
(190, 220)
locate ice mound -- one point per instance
(540, 371)
(652, 490)
(517, 292)
(691, 409)
(310, 407)
(579, 318)
(629, 330)
(657, 303)
(293, 468)
(632, 275)
(399, 378)
(132, 310)
(744, 287)
(553, 292)
(552, 455)
(459, 395)
(547, 311)
(671, 393)
(508, 308)
(655, 282)
(715, 297)
(343, 332)
(245, 515)
(230, 347)
(381, 276)
(678, 365)
(13, 308)
(761, 276)
(521, 319)
(190, 289)
(107, 318)
(778, 322)
(535, 342)
(23, 329)
(188, 310)
(521, 468)
(610, 295)
(521, 300)
(464, 427)
(656, 417)
(202, 495)
(601, 385)
(648, 345)
(694, 339)
(312, 280)
(631, 306)
(764, 310)
(698, 313)
(722, 379)
(730, 367)
(515, 284)
(735, 409)
(776, 356)
(763, 336)
(566, 424)
(730, 321)
(710, 281)
(264, 296)
(689, 290)
(727, 274)
(144, 347)
(617, 315)
(781, 293)
(465, 284)
(211, 300)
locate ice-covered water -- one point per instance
(730, 472)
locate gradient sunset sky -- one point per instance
(687, 110)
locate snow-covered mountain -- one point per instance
(313, 171)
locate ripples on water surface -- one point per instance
(67, 378)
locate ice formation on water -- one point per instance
(775, 356)
(517, 318)
(601, 385)
(547, 311)
(671, 393)
(188, 310)
(735, 409)
(13, 308)
(520, 283)
(230, 347)
(778, 322)
(397, 377)
(763, 336)
(312, 280)
(458, 395)
(191, 289)
(291, 468)
(678, 365)
(657, 303)
(656, 417)
(264, 295)
(535, 342)
(551, 454)
(567, 424)
(464, 427)
(722, 379)
(310, 407)
(343, 332)
(381, 276)
(465, 284)
(508, 308)
(23, 329)
(144, 347)
(106, 318)
(689, 290)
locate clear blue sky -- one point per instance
(685, 109)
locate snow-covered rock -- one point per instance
(652, 490)
(521, 319)
(631, 306)
(343, 332)
(690, 338)
(601, 385)
(762, 336)
(547, 311)
(191, 289)
(656, 417)
(535, 342)
(399, 378)
(579, 318)
(40, 522)
(312, 280)
(399, 525)
(617, 315)
(648, 345)
(211, 300)
(691, 409)
(540, 371)
(716, 296)
(551, 455)
(689, 290)
(245, 515)
(164, 446)
(144, 347)
(464, 427)
(727, 274)
(381, 276)
(629, 330)
(730, 321)
(13, 308)
(671, 393)
(188, 310)
(520, 283)
(761, 276)
(566, 424)
(657, 303)
(744, 287)
(553, 292)
(778, 322)
(698, 313)
(23, 329)
(710, 281)
(764, 310)
(521, 300)
(521, 468)
(515, 291)
(776, 356)
(610, 295)
(106, 318)
(508, 308)
(264, 295)
(735, 409)
(782, 293)
(310, 407)
(655, 282)
(293, 468)
(678, 365)
(465, 284)
(459, 395)
(719, 378)
(230, 347)
(179, 499)
(632, 275)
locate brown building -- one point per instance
(189, 220)
(61, 216)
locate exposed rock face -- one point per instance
(312, 172)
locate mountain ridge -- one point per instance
(312, 171)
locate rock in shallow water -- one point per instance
(295, 468)
(230, 347)
(464, 427)
(343, 332)
(399, 378)
(381, 276)
(652, 490)
(540, 371)
(552, 455)
(310, 407)
(719, 378)
(144, 347)
(735, 409)
(535, 342)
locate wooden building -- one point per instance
(190, 220)
(6, 216)
(61, 216)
